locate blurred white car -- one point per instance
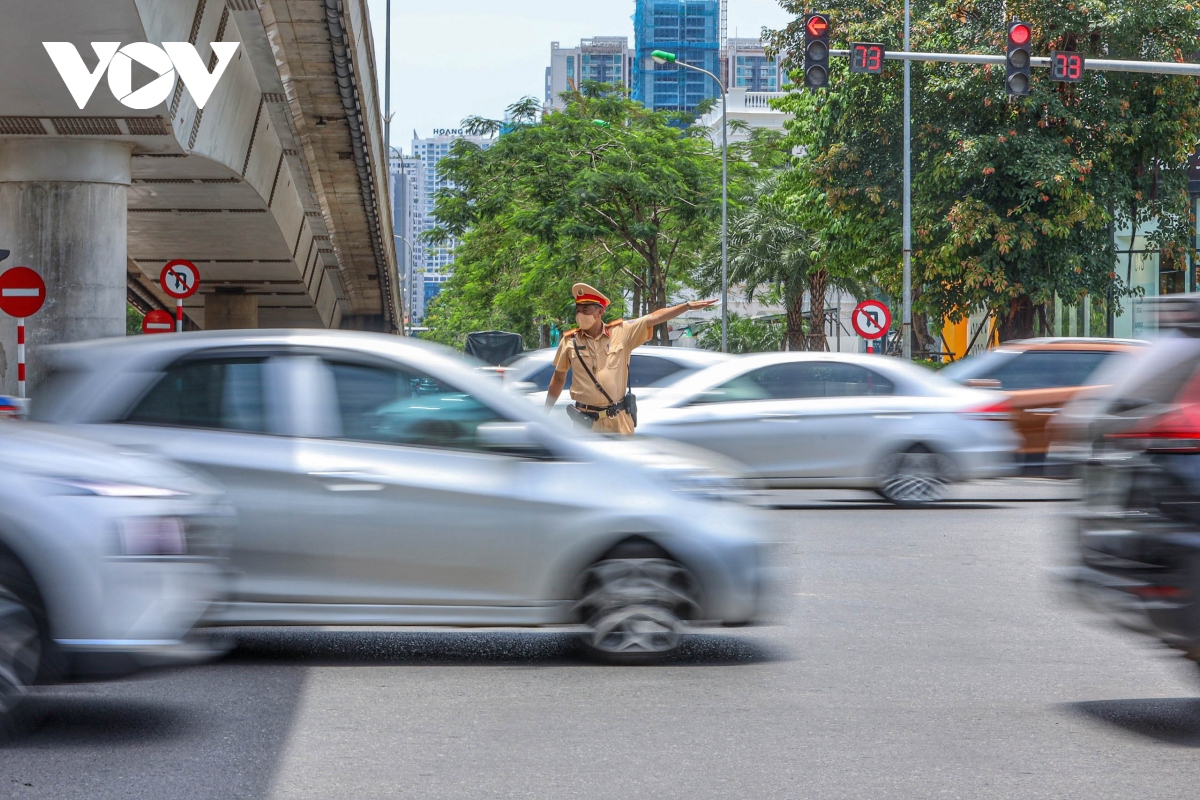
(650, 369)
(107, 560)
(831, 420)
(378, 480)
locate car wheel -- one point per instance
(21, 649)
(914, 478)
(636, 609)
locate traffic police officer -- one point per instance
(604, 349)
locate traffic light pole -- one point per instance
(907, 56)
(1097, 64)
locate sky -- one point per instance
(457, 58)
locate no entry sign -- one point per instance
(22, 292)
(179, 278)
(871, 319)
(158, 322)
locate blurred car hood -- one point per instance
(655, 453)
(32, 448)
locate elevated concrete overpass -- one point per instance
(276, 188)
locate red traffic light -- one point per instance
(1019, 33)
(817, 25)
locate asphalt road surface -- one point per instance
(918, 654)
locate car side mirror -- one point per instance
(983, 383)
(513, 438)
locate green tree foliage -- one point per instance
(133, 321)
(1013, 200)
(630, 204)
(745, 335)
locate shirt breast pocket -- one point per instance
(616, 355)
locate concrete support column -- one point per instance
(228, 311)
(63, 214)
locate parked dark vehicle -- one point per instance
(1139, 526)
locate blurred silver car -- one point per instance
(379, 480)
(650, 369)
(831, 420)
(107, 560)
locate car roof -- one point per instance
(1073, 343)
(893, 368)
(692, 356)
(163, 348)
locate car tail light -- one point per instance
(998, 410)
(1151, 592)
(153, 536)
(1175, 430)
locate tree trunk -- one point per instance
(544, 335)
(817, 281)
(1018, 322)
(657, 290)
(924, 342)
(794, 338)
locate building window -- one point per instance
(1172, 274)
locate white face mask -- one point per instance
(585, 321)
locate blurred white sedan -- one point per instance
(107, 560)
(832, 420)
(650, 368)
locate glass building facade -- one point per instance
(691, 30)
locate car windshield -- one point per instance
(976, 366)
(674, 377)
(1040, 368)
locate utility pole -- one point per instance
(906, 320)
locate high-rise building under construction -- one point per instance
(693, 31)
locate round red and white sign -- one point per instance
(179, 278)
(22, 292)
(158, 322)
(871, 319)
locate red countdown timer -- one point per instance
(866, 58)
(1066, 67)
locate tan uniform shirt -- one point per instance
(608, 359)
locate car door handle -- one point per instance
(1046, 411)
(349, 481)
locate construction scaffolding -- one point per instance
(724, 39)
(691, 29)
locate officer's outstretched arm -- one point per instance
(555, 389)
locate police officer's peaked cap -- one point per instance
(587, 294)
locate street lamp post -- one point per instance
(663, 57)
(408, 307)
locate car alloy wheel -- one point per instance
(636, 608)
(20, 648)
(914, 478)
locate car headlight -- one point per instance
(706, 484)
(97, 488)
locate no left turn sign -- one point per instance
(871, 319)
(179, 278)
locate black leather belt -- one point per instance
(609, 411)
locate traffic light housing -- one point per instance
(1017, 59)
(816, 51)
